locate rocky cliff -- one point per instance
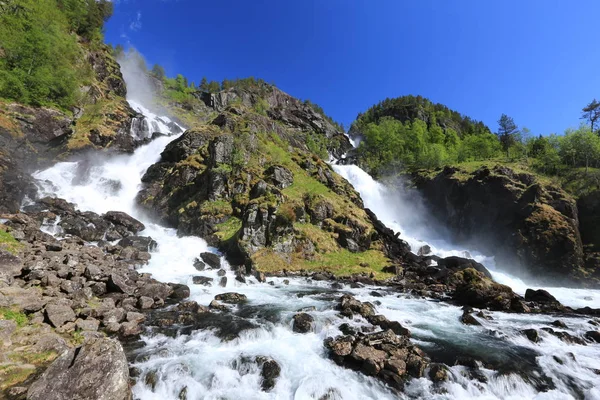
(252, 183)
(534, 228)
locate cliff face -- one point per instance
(251, 184)
(533, 228)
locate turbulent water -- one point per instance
(210, 368)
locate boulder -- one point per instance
(58, 314)
(96, 370)
(10, 267)
(124, 223)
(140, 243)
(269, 372)
(531, 334)
(231, 298)
(211, 259)
(539, 296)
(202, 280)
(303, 323)
(593, 336)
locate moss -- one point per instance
(11, 314)
(8, 242)
(228, 229)
(340, 263)
(11, 375)
(217, 208)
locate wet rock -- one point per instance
(221, 272)
(424, 250)
(593, 336)
(385, 324)
(58, 315)
(539, 296)
(199, 265)
(559, 324)
(211, 259)
(180, 291)
(202, 280)
(468, 319)
(231, 297)
(564, 336)
(96, 370)
(151, 379)
(532, 335)
(125, 224)
(223, 281)
(270, 371)
(140, 243)
(303, 323)
(349, 305)
(215, 305)
(438, 373)
(382, 354)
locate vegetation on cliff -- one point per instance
(40, 52)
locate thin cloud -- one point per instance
(136, 24)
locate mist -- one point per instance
(141, 87)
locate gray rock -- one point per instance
(10, 267)
(211, 259)
(180, 291)
(141, 243)
(223, 281)
(58, 315)
(121, 282)
(124, 222)
(199, 265)
(279, 176)
(97, 370)
(145, 302)
(89, 324)
(130, 328)
(135, 317)
(303, 323)
(202, 280)
(231, 297)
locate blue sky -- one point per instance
(537, 61)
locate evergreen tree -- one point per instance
(507, 131)
(204, 84)
(591, 112)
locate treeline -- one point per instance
(412, 133)
(40, 52)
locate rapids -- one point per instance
(211, 368)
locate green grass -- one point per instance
(341, 262)
(10, 314)
(217, 207)
(228, 229)
(8, 242)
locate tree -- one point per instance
(158, 72)
(507, 131)
(204, 84)
(591, 112)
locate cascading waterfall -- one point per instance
(206, 367)
(404, 217)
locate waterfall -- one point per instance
(207, 367)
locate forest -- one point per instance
(411, 132)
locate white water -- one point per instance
(411, 221)
(209, 368)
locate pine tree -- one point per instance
(507, 132)
(591, 112)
